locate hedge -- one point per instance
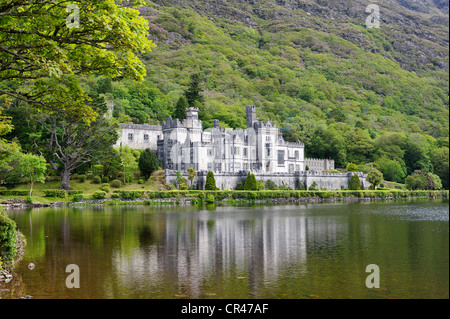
(55, 193)
(14, 193)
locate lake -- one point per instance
(293, 251)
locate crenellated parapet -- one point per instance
(145, 127)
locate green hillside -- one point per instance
(348, 92)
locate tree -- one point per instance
(45, 43)
(148, 163)
(375, 177)
(352, 167)
(194, 91)
(440, 161)
(191, 174)
(180, 108)
(355, 182)
(32, 167)
(423, 180)
(210, 182)
(129, 163)
(392, 170)
(270, 185)
(250, 182)
(179, 178)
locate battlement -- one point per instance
(144, 127)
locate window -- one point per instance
(267, 138)
(280, 157)
(210, 152)
(268, 152)
(146, 138)
(245, 152)
(297, 155)
(130, 136)
(210, 166)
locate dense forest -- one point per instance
(373, 97)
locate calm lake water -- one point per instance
(296, 251)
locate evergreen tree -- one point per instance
(148, 163)
(194, 92)
(210, 182)
(250, 182)
(355, 183)
(180, 108)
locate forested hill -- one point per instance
(304, 64)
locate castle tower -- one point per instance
(192, 118)
(251, 115)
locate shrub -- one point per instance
(99, 195)
(313, 187)
(28, 200)
(105, 188)
(117, 183)
(8, 238)
(250, 182)
(210, 182)
(55, 193)
(355, 183)
(96, 179)
(14, 193)
(131, 194)
(115, 195)
(105, 179)
(352, 167)
(270, 185)
(141, 181)
(97, 169)
(73, 192)
(3, 188)
(239, 186)
(82, 178)
(77, 197)
(210, 198)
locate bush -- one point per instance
(8, 238)
(73, 192)
(355, 183)
(77, 197)
(313, 187)
(352, 167)
(210, 182)
(28, 200)
(116, 183)
(82, 178)
(209, 198)
(55, 193)
(105, 188)
(3, 188)
(115, 195)
(131, 194)
(250, 182)
(239, 186)
(99, 195)
(14, 193)
(105, 179)
(96, 179)
(141, 181)
(270, 185)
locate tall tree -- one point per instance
(180, 108)
(195, 90)
(148, 163)
(45, 43)
(210, 182)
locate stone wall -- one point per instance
(329, 181)
(139, 136)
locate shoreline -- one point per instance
(192, 201)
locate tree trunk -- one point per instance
(65, 183)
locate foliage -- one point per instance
(250, 182)
(423, 180)
(270, 185)
(96, 179)
(8, 239)
(180, 108)
(99, 195)
(210, 181)
(191, 175)
(239, 186)
(148, 163)
(313, 187)
(55, 193)
(355, 182)
(44, 45)
(352, 167)
(375, 177)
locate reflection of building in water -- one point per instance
(204, 246)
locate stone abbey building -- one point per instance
(230, 154)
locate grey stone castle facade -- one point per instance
(230, 154)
